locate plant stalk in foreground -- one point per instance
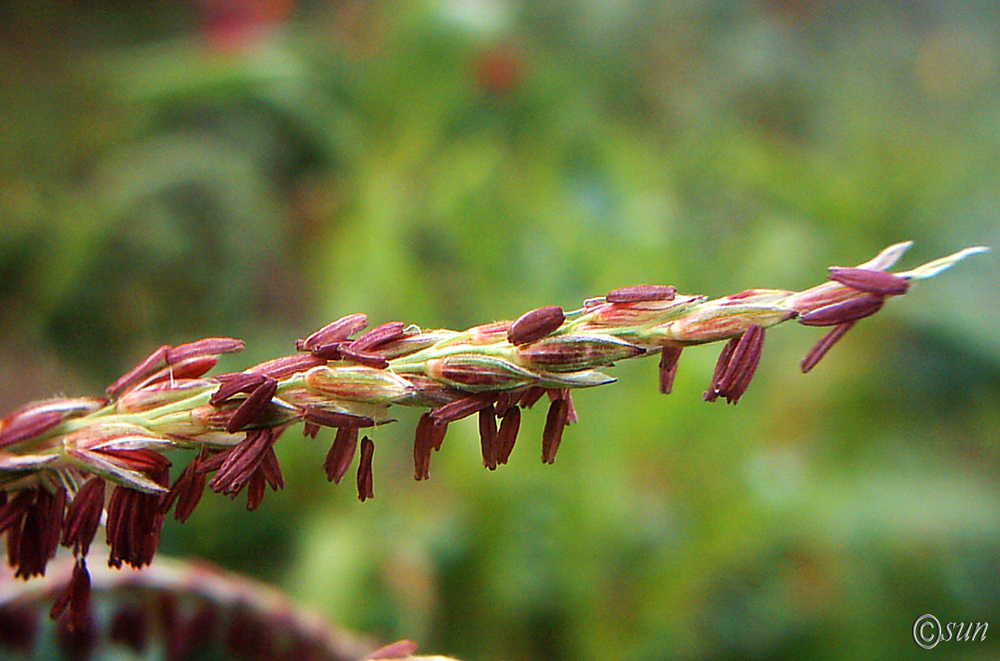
(68, 463)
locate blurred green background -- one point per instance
(172, 171)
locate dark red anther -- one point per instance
(423, 443)
(328, 351)
(438, 432)
(334, 333)
(639, 293)
(231, 384)
(84, 516)
(376, 336)
(367, 358)
(507, 435)
(365, 480)
(530, 396)
(137, 373)
(33, 543)
(283, 367)
(461, 408)
(736, 366)
(335, 418)
(209, 346)
(825, 344)
(341, 453)
(838, 313)
(253, 406)
(669, 357)
(187, 490)
(721, 364)
(488, 436)
(535, 325)
(133, 526)
(881, 283)
(555, 422)
(76, 598)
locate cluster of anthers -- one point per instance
(66, 464)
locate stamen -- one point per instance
(535, 324)
(463, 407)
(84, 516)
(253, 406)
(230, 384)
(328, 351)
(638, 293)
(334, 332)
(507, 434)
(187, 490)
(279, 368)
(438, 433)
(825, 344)
(209, 346)
(335, 418)
(137, 373)
(720, 369)
(362, 357)
(882, 283)
(669, 357)
(423, 443)
(742, 365)
(384, 333)
(241, 462)
(838, 313)
(530, 396)
(76, 597)
(555, 422)
(365, 480)
(488, 436)
(341, 454)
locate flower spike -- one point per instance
(66, 463)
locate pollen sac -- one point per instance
(463, 407)
(638, 293)
(838, 313)
(535, 324)
(253, 406)
(555, 422)
(341, 454)
(230, 384)
(507, 434)
(338, 331)
(376, 336)
(488, 437)
(279, 368)
(423, 443)
(329, 418)
(882, 283)
(736, 366)
(362, 357)
(365, 480)
(819, 350)
(668, 367)
(573, 353)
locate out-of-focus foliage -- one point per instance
(178, 170)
